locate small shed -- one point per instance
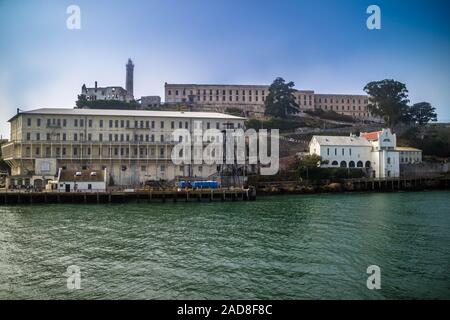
(80, 181)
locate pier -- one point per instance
(349, 185)
(24, 197)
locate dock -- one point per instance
(24, 197)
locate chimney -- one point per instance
(95, 86)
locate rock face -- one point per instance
(333, 187)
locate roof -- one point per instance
(69, 175)
(407, 149)
(371, 135)
(130, 113)
(342, 141)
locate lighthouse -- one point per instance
(129, 80)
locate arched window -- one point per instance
(359, 164)
(367, 164)
(334, 163)
(351, 164)
(343, 164)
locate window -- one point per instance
(38, 122)
(75, 122)
(343, 164)
(90, 123)
(64, 122)
(38, 136)
(28, 136)
(100, 123)
(328, 151)
(29, 122)
(162, 124)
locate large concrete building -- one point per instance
(134, 146)
(250, 99)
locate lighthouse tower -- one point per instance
(129, 80)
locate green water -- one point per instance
(287, 247)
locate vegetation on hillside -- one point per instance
(433, 140)
(330, 115)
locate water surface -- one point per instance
(285, 247)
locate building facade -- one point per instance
(113, 92)
(409, 155)
(375, 151)
(250, 99)
(133, 145)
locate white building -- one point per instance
(134, 146)
(409, 155)
(374, 150)
(79, 181)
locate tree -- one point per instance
(389, 99)
(310, 161)
(82, 101)
(422, 113)
(280, 102)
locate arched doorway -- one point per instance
(335, 163)
(360, 164)
(351, 164)
(367, 164)
(343, 164)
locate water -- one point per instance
(287, 247)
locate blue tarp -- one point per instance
(200, 184)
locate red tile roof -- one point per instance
(371, 135)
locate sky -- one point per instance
(322, 45)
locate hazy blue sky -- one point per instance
(320, 45)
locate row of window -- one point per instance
(110, 137)
(342, 151)
(325, 100)
(88, 152)
(138, 124)
(230, 98)
(351, 164)
(217, 92)
(342, 108)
